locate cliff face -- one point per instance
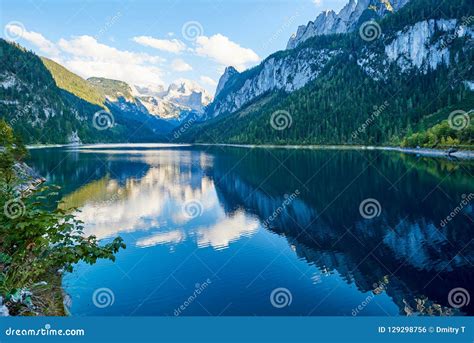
(288, 73)
(345, 21)
(392, 81)
(228, 73)
(420, 47)
(414, 47)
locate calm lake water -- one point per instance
(238, 231)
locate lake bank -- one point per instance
(461, 154)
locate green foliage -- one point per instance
(34, 106)
(334, 108)
(419, 10)
(11, 150)
(111, 88)
(345, 105)
(42, 113)
(442, 135)
(73, 83)
(35, 240)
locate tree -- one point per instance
(36, 241)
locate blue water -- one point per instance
(214, 230)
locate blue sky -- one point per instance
(156, 42)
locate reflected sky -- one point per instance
(156, 203)
(188, 214)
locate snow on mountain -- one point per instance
(181, 96)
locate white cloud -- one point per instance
(133, 74)
(180, 65)
(88, 47)
(208, 81)
(85, 56)
(226, 52)
(174, 46)
(37, 39)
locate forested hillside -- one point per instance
(61, 109)
(73, 83)
(364, 94)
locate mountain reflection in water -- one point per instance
(317, 245)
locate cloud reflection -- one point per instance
(171, 237)
(228, 230)
(153, 202)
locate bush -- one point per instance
(36, 241)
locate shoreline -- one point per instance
(460, 154)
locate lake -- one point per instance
(213, 230)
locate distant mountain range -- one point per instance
(182, 96)
(46, 103)
(379, 72)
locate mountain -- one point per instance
(45, 103)
(73, 83)
(181, 97)
(122, 100)
(228, 74)
(401, 70)
(112, 90)
(167, 107)
(347, 20)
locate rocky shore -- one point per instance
(31, 179)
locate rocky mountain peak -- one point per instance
(183, 90)
(228, 73)
(180, 97)
(328, 22)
